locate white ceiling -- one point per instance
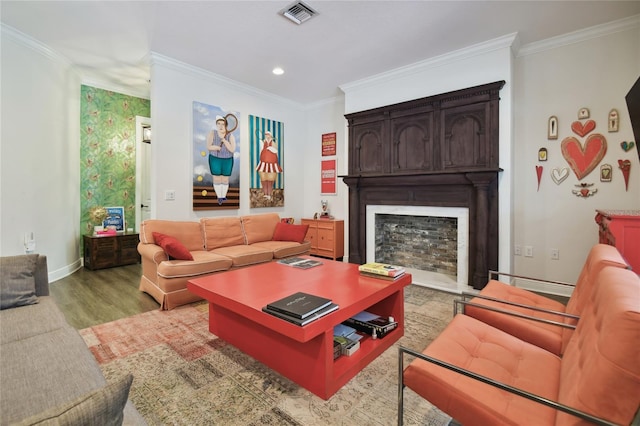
(111, 41)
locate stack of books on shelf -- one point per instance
(300, 308)
(381, 270)
(346, 340)
(372, 324)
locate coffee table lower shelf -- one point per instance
(309, 364)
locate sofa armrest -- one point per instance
(495, 275)
(153, 252)
(41, 276)
(468, 373)
(459, 302)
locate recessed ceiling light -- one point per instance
(278, 71)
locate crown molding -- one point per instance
(85, 77)
(35, 45)
(447, 58)
(596, 31)
(174, 64)
(113, 87)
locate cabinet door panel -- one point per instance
(104, 252)
(466, 140)
(369, 150)
(325, 239)
(412, 139)
(312, 234)
(128, 249)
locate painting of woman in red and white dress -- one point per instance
(267, 173)
(268, 167)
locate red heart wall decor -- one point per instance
(584, 159)
(539, 170)
(625, 166)
(581, 129)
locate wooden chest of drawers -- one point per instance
(109, 251)
(326, 236)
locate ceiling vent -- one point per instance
(298, 12)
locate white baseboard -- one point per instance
(65, 271)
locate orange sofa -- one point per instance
(216, 244)
(481, 375)
(544, 322)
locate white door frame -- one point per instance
(140, 122)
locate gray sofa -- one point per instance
(47, 373)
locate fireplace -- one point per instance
(430, 242)
(435, 152)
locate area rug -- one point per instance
(184, 375)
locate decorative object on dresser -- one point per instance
(326, 237)
(107, 251)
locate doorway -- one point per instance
(143, 172)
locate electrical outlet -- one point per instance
(528, 251)
(555, 254)
(517, 250)
(170, 195)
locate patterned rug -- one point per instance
(184, 375)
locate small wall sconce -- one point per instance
(146, 134)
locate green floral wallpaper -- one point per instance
(108, 153)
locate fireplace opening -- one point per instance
(430, 242)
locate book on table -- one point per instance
(383, 269)
(302, 321)
(299, 305)
(300, 262)
(381, 277)
(375, 325)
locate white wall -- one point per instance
(40, 151)
(595, 73)
(174, 87)
(321, 118)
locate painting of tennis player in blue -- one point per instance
(216, 158)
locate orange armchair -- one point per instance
(481, 375)
(536, 319)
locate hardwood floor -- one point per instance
(90, 297)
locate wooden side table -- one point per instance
(326, 236)
(108, 251)
(621, 228)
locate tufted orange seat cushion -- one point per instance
(550, 337)
(472, 344)
(599, 373)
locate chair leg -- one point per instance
(400, 387)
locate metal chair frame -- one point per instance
(463, 302)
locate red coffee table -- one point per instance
(303, 354)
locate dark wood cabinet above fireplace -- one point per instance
(438, 151)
